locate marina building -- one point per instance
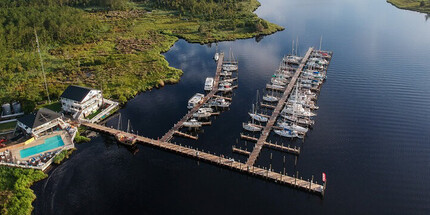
(80, 101)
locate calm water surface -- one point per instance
(371, 135)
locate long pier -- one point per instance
(268, 174)
(266, 130)
(190, 113)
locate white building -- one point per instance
(39, 122)
(80, 101)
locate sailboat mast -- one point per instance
(297, 46)
(119, 121)
(128, 126)
(41, 64)
(292, 48)
(321, 42)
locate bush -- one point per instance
(16, 182)
(63, 155)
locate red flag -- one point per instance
(323, 177)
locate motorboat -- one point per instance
(195, 100)
(230, 67)
(209, 83)
(193, 123)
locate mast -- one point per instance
(292, 48)
(128, 126)
(321, 42)
(119, 121)
(297, 46)
(41, 64)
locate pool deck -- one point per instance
(15, 149)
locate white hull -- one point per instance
(250, 127)
(258, 117)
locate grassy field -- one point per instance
(7, 126)
(422, 6)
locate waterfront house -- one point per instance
(80, 101)
(36, 123)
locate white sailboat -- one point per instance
(286, 133)
(293, 126)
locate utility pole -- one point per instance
(41, 63)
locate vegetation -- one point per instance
(63, 155)
(79, 138)
(7, 126)
(15, 195)
(54, 106)
(116, 50)
(422, 6)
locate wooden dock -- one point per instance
(168, 136)
(186, 135)
(295, 150)
(267, 106)
(240, 151)
(266, 130)
(268, 174)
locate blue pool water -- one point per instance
(50, 143)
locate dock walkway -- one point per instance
(267, 174)
(266, 130)
(178, 125)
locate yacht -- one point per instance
(195, 100)
(209, 83)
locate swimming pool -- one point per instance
(50, 143)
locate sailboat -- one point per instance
(125, 138)
(270, 98)
(293, 126)
(251, 126)
(256, 116)
(286, 133)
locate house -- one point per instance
(80, 101)
(39, 122)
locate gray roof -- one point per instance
(76, 93)
(41, 117)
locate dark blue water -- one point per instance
(371, 135)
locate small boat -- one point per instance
(274, 86)
(225, 73)
(195, 100)
(298, 109)
(301, 121)
(202, 114)
(258, 117)
(209, 83)
(293, 126)
(217, 102)
(216, 57)
(293, 59)
(193, 123)
(225, 89)
(269, 98)
(209, 110)
(229, 67)
(251, 127)
(125, 139)
(286, 133)
(277, 81)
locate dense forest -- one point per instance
(109, 44)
